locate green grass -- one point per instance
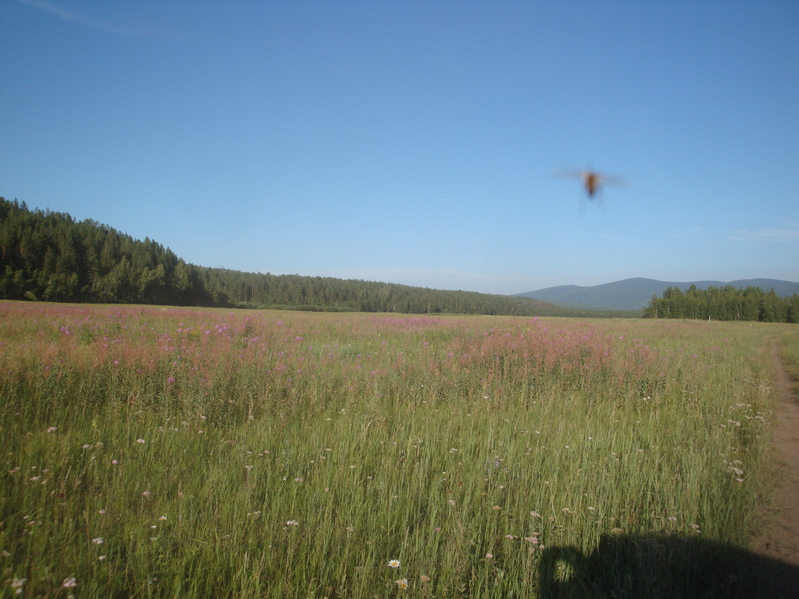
(789, 353)
(155, 452)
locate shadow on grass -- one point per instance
(664, 567)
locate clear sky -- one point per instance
(416, 142)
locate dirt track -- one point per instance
(781, 540)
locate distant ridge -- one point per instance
(635, 293)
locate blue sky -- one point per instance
(416, 142)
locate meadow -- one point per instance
(176, 452)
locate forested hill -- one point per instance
(49, 256)
(724, 303)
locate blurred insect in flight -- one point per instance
(592, 180)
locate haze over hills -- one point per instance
(52, 257)
(635, 293)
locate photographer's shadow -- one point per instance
(667, 567)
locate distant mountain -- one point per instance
(634, 294)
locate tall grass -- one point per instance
(200, 453)
(789, 354)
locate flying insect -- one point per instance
(592, 180)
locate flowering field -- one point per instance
(166, 452)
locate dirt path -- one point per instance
(781, 540)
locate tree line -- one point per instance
(49, 256)
(724, 303)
